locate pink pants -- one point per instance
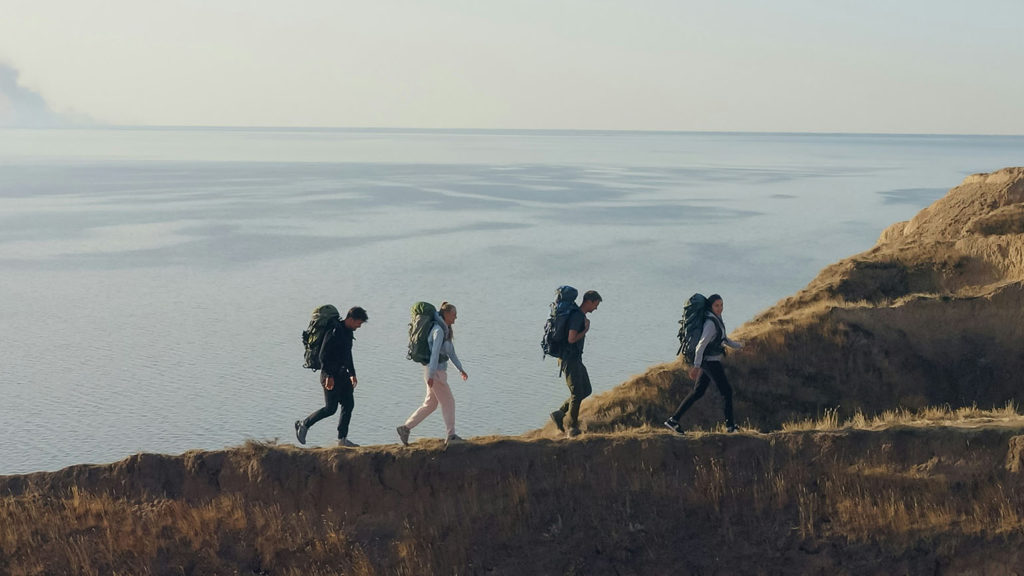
(439, 393)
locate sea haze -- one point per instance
(155, 281)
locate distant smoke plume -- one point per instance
(21, 107)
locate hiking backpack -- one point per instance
(324, 318)
(692, 325)
(556, 328)
(421, 322)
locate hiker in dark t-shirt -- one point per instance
(337, 377)
(571, 364)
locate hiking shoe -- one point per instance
(558, 417)
(673, 425)
(403, 434)
(346, 443)
(300, 431)
(573, 432)
(454, 439)
(730, 429)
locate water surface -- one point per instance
(155, 281)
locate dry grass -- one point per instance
(600, 504)
(95, 534)
(930, 416)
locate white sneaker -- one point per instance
(454, 439)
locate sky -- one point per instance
(876, 66)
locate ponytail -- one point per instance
(444, 308)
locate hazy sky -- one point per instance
(735, 65)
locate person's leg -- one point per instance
(329, 408)
(698, 391)
(718, 376)
(428, 407)
(347, 399)
(443, 394)
(564, 408)
(578, 380)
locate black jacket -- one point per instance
(336, 352)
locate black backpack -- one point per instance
(556, 329)
(692, 325)
(324, 319)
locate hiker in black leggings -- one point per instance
(707, 365)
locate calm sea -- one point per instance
(154, 282)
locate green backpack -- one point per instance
(421, 322)
(324, 318)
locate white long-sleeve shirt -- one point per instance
(439, 344)
(707, 337)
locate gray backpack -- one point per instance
(692, 325)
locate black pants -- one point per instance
(578, 381)
(712, 371)
(341, 394)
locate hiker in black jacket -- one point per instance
(337, 376)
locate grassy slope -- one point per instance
(932, 315)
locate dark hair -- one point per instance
(358, 313)
(711, 300)
(591, 296)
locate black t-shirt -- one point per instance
(578, 322)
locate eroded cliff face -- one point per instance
(933, 314)
(908, 499)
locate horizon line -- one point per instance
(269, 128)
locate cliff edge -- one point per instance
(933, 314)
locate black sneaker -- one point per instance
(731, 429)
(558, 417)
(403, 434)
(573, 432)
(673, 425)
(300, 431)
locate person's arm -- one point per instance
(706, 337)
(698, 355)
(323, 355)
(577, 334)
(734, 344)
(436, 341)
(455, 359)
(347, 361)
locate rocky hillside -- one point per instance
(933, 314)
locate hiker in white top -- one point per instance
(435, 374)
(707, 365)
